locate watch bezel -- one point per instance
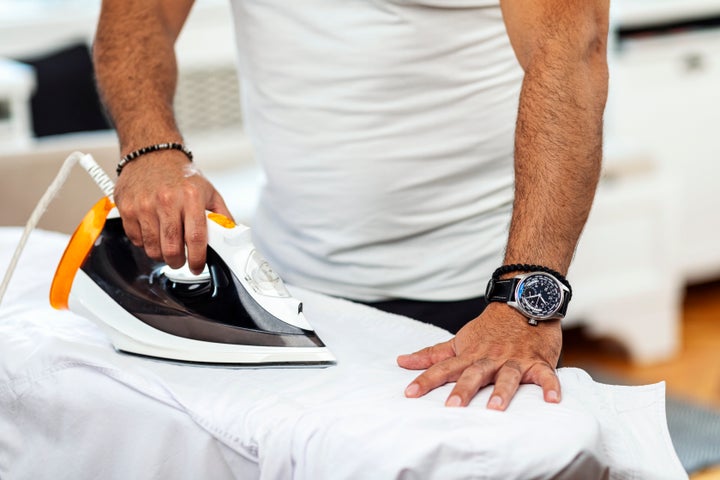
(515, 302)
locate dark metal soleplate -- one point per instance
(233, 366)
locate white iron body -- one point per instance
(233, 245)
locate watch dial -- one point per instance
(539, 295)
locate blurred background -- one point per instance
(646, 272)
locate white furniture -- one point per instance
(17, 82)
(626, 282)
(666, 96)
(654, 224)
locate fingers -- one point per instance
(151, 237)
(171, 239)
(163, 211)
(436, 376)
(196, 237)
(132, 230)
(165, 233)
(507, 382)
(427, 357)
(141, 229)
(470, 377)
(442, 366)
(475, 377)
(544, 375)
(496, 348)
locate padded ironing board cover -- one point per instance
(71, 407)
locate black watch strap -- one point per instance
(525, 267)
(500, 290)
(564, 306)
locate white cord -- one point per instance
(97, 174)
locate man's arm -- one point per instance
(161, 198)
(561, 45)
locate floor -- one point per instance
(694, 373)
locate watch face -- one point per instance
(539, 295)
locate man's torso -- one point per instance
(386, 133)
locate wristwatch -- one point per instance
(537, 295)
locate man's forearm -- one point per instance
(136, 69)
(161, 199)
(558, 151)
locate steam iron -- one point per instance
(237, 312)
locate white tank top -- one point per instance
(385, 129)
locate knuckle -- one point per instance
(196, 237)
(152, 247)
(510, 376)
(172, 252)
(153, 252)
(146, 227)
(191, 191)
(437, 354)
(127, 209)
(483, 368)
(514, 366)
(550, 376)
(483, 363)
(442, 369)
(434, 374)
(434, 355)
(135, 239)
(171, 232)
(427, 351)
(543, 369)
(145, 206)
(434, 377)
(165, 198)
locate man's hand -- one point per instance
(497, 347)
(162, 200)
(161, 197)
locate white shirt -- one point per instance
(386, 132)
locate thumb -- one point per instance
(217, 204)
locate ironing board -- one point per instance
(71, 407)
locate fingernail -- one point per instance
(453, 401)
(495, 403)
(552, 396)
(412, 390)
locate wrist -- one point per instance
(538, 294)
(155, 151)
(511, 270)
(509, 317)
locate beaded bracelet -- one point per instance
(524, 267)
(149, 149)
